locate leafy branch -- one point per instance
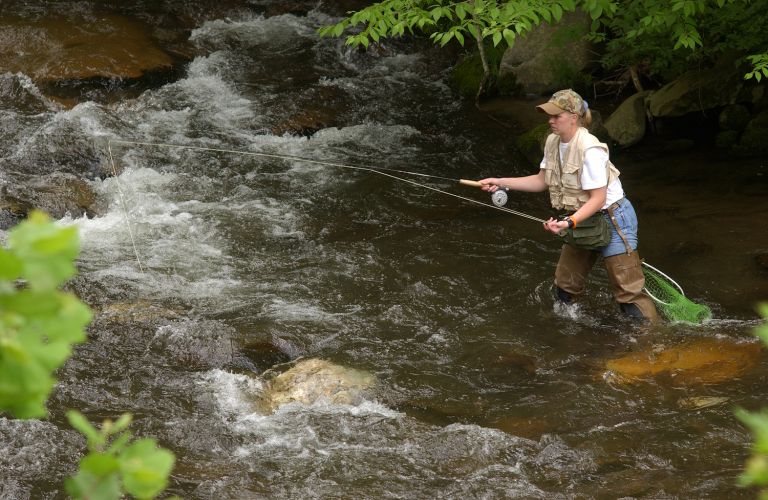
(114, 463)
(38, 327)
(756, 473)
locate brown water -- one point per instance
(486, 389)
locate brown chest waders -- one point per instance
(625, 274)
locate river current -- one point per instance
(207, 268)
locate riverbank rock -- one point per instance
(312, 380)
(705, 361)
(699, 90)
(626, 126)
(551, 56)
(753, 139)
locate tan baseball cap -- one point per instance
(563, 100)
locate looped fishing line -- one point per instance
(376, 170)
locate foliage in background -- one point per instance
(661, 37)
(665, 39)
(39, 324)
(756, 473)
(115, 464)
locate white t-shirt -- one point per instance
(594, 174)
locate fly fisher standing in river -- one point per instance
(582, 180)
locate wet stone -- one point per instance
(58, 194)
(313, 380)
(136, 311)
(111, 46)
(706, 361)
(699, 402)
(264, 354)
(9, 218)
(86, 58)
(195, 345)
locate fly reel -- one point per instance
(500, 197)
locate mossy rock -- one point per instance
(734, 117)
(753, 138)
(726, 139)
(466, 76)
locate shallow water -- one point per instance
(486, 389)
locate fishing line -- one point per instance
(376, 170)
(124, 206)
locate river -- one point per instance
(206, 268)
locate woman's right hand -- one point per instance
(489, 184)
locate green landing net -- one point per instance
(670, 299)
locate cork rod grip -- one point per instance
(467, 182)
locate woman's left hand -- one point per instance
(554, 226)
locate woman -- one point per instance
(582, 180)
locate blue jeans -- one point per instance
(626, 218)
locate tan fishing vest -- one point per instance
(564, 180)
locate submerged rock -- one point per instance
(312, 380)
(136, 311)
(57, 194)
(699, 402)
(706, 361)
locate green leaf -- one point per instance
(557, 12)
(89, 486)
(473, 29)
(10, 265)
(145, 468)
(509, 37)
(461, 11)
(80, 423)
(460, 37)
(99, 464)
(496, 38)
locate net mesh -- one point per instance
(671, 301)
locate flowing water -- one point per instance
(235, 263)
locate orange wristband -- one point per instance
(573, 219)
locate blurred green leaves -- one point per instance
(116, 464)
(756, 472)
(38, 323)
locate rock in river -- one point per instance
(704, 361)
(312, 380)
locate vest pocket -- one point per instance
(570, 177)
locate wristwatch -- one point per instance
(571, 224)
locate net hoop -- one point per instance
(673, 282)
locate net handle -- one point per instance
(645, 289)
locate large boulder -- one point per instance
(313, 380)
(551, 56)
(89, 57)
(626, 125)
(109, 46)
(700, 90)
